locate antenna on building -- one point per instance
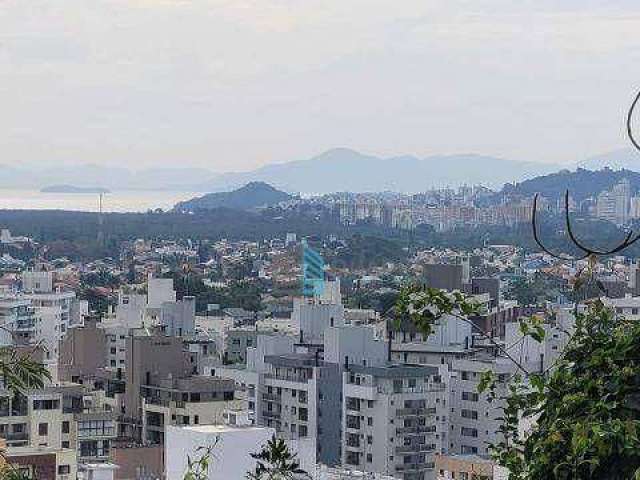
(100, 237)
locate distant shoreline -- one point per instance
(73, 189)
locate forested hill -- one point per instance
(581, 183)
(252, 195)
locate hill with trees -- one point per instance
(581, 183)
(251, 196)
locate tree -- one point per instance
(584, 410)
(276, 462)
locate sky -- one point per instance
(231, 85)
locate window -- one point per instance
(472, 414)
(46, 404)
(370, 421)
(469, 432)
(65, 444)
(369, 458)
(64, 469)
(65, 427)
(302, 431)
(303, 414)
(470, 396)
(96, 428)
(43, 429)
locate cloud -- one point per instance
(238, 83)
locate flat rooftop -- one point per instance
(222, 428)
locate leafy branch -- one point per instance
(276, 462)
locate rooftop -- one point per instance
(396, 371)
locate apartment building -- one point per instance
(394, 419)
(41, 418)
(18, 320)
(162, 388)
(474, 421)
(300, 396)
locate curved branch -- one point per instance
(493, 343)
(629, 121)
(577, 243)
(536, 237)
(627, 242)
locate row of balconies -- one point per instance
(415, 448)
(415, 429)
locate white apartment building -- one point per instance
(395, 419)
(474, 420)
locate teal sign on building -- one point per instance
(312, 272)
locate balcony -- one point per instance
(270, 397)
(16, 437)
(415, 430)
(272, 415)
(412, 412)
(416, 448)
(353, 442)
(287, 377)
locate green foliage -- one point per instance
(198, 467)
(241, 294)
(535, 290)
(424, 306)
(9, 472)
(276, 462)
(586, 410)
(19, 372)
(532, 327)
(582, 415)
(365, 251)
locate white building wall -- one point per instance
(232, 451)
(356, 344)
(160, 290)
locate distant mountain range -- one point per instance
(109, 178)
(340, 169)
(249, 197)
(343, 169)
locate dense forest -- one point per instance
(74, 234)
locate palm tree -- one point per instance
(276, 462)
(18, 373)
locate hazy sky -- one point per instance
(234, 84)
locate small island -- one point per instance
(73, 189)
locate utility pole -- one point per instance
(100, 238)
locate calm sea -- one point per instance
(119, 201)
